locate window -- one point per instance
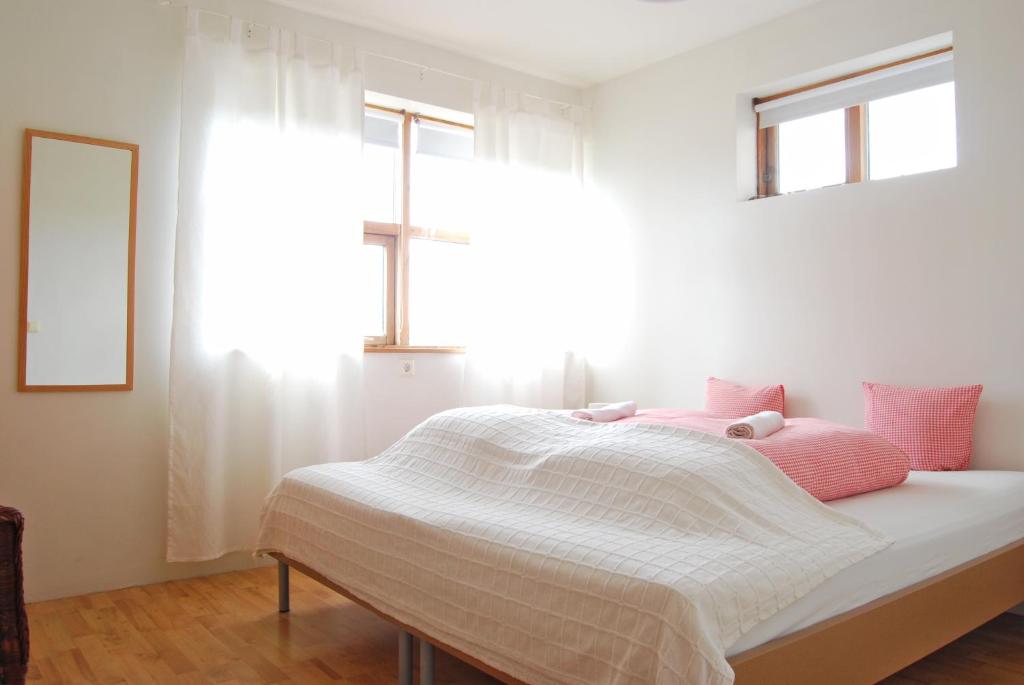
(379, 262)
(892, 120)
(812, 152)
(416, 228)
(912, 132)
(382, 165)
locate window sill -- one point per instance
(410, 349)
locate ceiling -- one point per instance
(576, 42)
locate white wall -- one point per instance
(89, 469)
(914, 280)
(396, 403)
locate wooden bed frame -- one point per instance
(858, 647)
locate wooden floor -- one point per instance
(226, 629)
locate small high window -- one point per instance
(912, 132)
(892, 120)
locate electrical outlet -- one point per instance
(407, 367)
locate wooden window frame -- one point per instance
(856, 119)
(767, 159)
(396, 237)
(388, 243)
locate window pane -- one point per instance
(382, 167)
(438, 274)
(912, 132)
(812, 152)
(375, 280)
(441, 175)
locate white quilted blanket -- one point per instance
(563, 551)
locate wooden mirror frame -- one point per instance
(26, 195)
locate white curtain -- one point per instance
(266, 348)
(528, 250)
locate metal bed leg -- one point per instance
(404, 658)
(282, 587)
(426, 663)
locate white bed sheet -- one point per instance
(938, 520)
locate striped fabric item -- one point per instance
(828, 460)
(934, 426)
(731, 401)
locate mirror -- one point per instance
(77, 263)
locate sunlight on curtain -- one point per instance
(523, 344)
(267, 336)
(276, 261)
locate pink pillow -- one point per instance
(826, 459)
(934, 426)
(832, 461)
(732, 401)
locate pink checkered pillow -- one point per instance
(832, 461)
(934, 426)
(826, 459)
(731, 401)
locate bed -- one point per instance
(953, 559)
(957, 561)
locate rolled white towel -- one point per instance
(755, 427)
(606, 413)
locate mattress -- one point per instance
(938, 520)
